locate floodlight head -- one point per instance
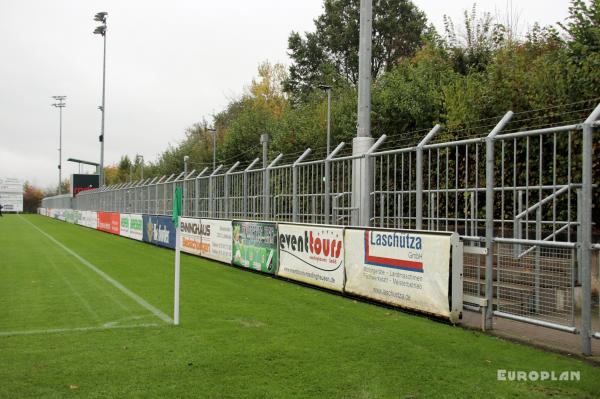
(325, 87)
(101, 30)
(101, 16)
(186, 158)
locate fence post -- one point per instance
(489, 218)
(211, 192)
(295, 184)
(328, 180)
(362, 179)
(419, 177)
(226, 194)
(245, 188)
(586, 232)
(267, 188)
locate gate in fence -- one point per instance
(520, 198)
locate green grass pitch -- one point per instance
(65, 331)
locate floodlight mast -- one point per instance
(60, 104)
(101, 30)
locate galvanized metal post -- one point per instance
(245, 188)
(538, 237)
(586, 238)
(328, 181)
(579, 209)
(489, 218)
(295, 184)
(226, 195)
(419, 177)
(362, 178)
(264, 140)
(211, 192)
(267, 188)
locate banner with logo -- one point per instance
(89, 219)
(124, 229)
(255, 245)
(312, 254)
(217, 239)
(399, 267)
(159, 230)
(192, 232)
(109, 222)
(136, 227)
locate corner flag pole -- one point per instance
(176, 214)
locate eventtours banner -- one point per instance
(109, 222)
(312, 254)
(255, 245)
(192, 232)
(399, 267)
(159, 230)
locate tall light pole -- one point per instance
(327, 88)
(137, 157)
(101, 30)
(60, 104)
(214, 132)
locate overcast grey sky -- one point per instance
(169, 64)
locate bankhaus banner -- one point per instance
(255, 245)
(109, 222)
(312, 254)
(400, 267)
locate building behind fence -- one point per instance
(520, 198)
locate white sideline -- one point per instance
(74, 329)
(157, 312)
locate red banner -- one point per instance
(109, 222)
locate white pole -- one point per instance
(176, 299)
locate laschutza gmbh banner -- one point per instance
(399, 267)
(136, 227)
(124, 232)
(159, 230)
(255, 245)
(89, 219)
(312, 254)
(109, 222)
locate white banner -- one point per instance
(401, 268)
(207, 238)
(89, 219)
(312, 254)
(136, 227)
(124, 230)
(217, 239)
(191, 235)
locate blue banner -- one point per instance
(159, 230)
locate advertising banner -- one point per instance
(124, 229)
(159, 230)
(399, 267)
(89, 219)
(109, 222)
(255, 245)
(136, 227)
(192, 232)
(217, 239)
(312, 254)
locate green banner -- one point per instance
(255, 246)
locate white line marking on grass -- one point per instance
(157, 312)
(74, 329)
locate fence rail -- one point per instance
(523, 198)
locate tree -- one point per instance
(331, 52)
(32, 198)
